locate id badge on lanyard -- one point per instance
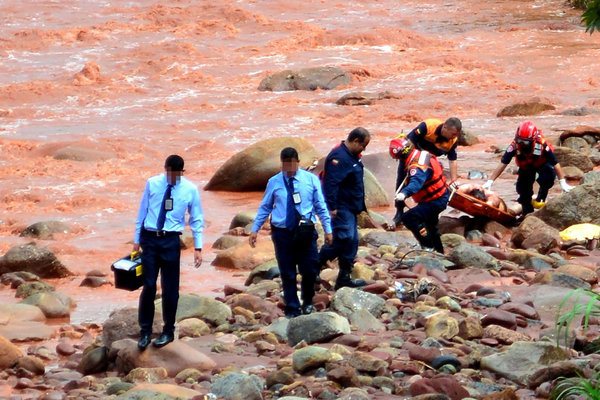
(168, 204)
(297, 198)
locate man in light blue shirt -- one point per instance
(160, 222)
(294, 198)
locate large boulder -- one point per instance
(375, 194)
(364, 98)
(123, 323)
(578, 206)
(577, 143)
(205, 308)
(175, 357)
(535, 233)
(569, 157)
(9, 353)
(348, 300)
(523, 359)
(245, 257)
(317, 327)
(532, 106)
(21, 322)
(52, 304)
(34, 259)
(592, 177)
(250, 169)
(45, 229)
(306, 79)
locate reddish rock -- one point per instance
(254, 303)
(229, 290)
(439, 275)
(344, 375)
(489, 342)
(503, 335)
(65, 348)
(408, 367)
(506, 394)
(404, 274)
(490, 240)
(416, 352)
(376, 288)
(347, 340)
(447, 385)
(474, 287)
(500, 317)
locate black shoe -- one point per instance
(144, 342)
(308, 309)
(163, 340)
(351, 283)
(293, 313)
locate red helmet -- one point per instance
(527, 131)
(400, 147)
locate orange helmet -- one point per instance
(527, 132)
(400, 147)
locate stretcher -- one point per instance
(478, 208)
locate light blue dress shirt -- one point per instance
(185, 197)
(274, 201)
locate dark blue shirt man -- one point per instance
(292, 197)
(160, 221)
(344, 190)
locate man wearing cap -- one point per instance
(160, 222)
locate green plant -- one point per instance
(591, 16)
(585, 308)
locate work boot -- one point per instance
(344, 280)
(537, 204)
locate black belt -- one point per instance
(161, 233)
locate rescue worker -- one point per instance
(439, 139)
(426, 184)
(533, 155)
(344, 191)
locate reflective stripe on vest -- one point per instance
(434, 187)
(531, 159)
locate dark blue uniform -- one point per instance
(344, 190)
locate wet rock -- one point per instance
(523, 359)
(347, 300)
(16, 279)
(305, 79)
(473, 235)
(45, 230)
(316, 327)
(468, 255)
(579, 111)
(21, 322)
(310, 357)
(441, 325)
(354, 394)
(500, 317)
(192, 327)
(364, 98)
(568, 157)
(32, 364)
(367, 363)
(268, 270)
(245, 257)
(573, 173)
(370, 220)
(440, 361)
(283, 376)
(578, 144)
(490, 240)
(504, 335)
(467, 138)
(506, 394)
(344, 376)
(52, 304)
(378, 238)
(118, 388)
(453, 225)
(555, 278)
(592, 178)
(150, 375)
(535, 233)
(452, 240)
(250, 169)
(440, 384)
(9, 353)
(123, 323)
(205, 308)
(242, 219)
(420, 353)
(532, 106)
(30, 288)
(94, 360)
(375, 194)
(89, 75)
(65, 348)
(34, 259)
(537, 264)
(174, 357)
(227, 241)
(520, 309)
(158, 391)
(255, 304)
(94, 281)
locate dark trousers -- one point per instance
(525, 180)
(345, 241)
(400, 175)
(291, 254)
(422, 220)
(159, 254)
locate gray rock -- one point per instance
(305, 79)
(251, 168)
(577, 143)
(205, 308)
(523, 359)
(268, 270)
(348, 300)
(364, 321)
(537, 264)
(34, 259)
(242, 219)
(16, 279)
(569, 157)
(279, 327)
(578, 206)
(532, 106)
(535, 233)
(227, 241)
(27, 289)
(123, 323)
(316, 327)
(309, 358)
(375, 194)
(592, 177)
(45, 229)
(467, 138)
(94, 360)
(52, 304)
(363, 98)
(468, 255)
(235, 386)
(580, 111)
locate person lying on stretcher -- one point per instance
(489, 197)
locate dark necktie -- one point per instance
(162, 215)
(291, 219)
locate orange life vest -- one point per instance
(432, 125)
(536, 157)
(435, 187)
